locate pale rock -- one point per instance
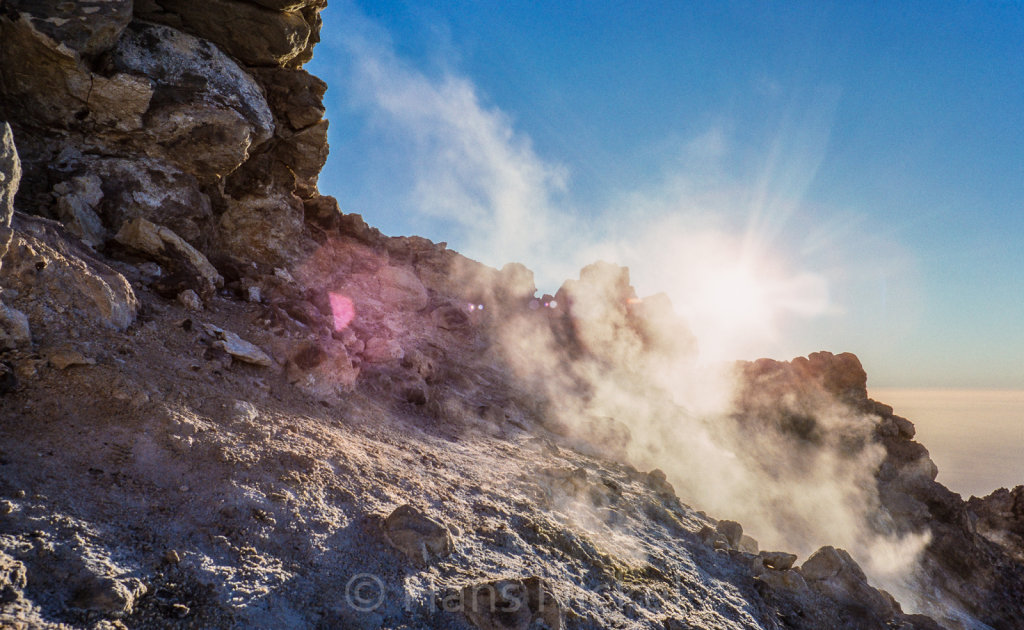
(170, 249)
(14, 328)
(10, 177)
(13, 577)
(778, 560)
(107, 596)
(322, 368)
(190, 300)
(46, 82)
(238, 347)
(747, 544)
(712, 538)
(822, 564)
(418, 536)
(284, 275)
(291, 162)
(788, 579)
(732, 531)
(218, 112)
(151, 188)
(382, 350)
(266, 228)
(55, 275)
(400, 288)
(252, 34)
(295, 96)
(77, 200)
(149, 269)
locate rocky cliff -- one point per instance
(224, 403)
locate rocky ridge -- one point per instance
(227, 404)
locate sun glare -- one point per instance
(735, 297)
(736, 304)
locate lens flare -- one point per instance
(343, 309)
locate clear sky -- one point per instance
(797, 176)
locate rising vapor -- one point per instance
(716, 249)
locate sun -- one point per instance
(737, 302)
(735, 297)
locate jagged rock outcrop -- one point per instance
(999, 517)
(968, 572)
(192, 115)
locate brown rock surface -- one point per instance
(512, 604)
(418, 536)
(252, 34)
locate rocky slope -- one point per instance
(224, 403)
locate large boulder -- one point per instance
(190, 268)
(253, 34)
(416, 535)
(207, 113)
(295, 96)
(148, 188)
(266, 228)
(44, 81)
(88, 27)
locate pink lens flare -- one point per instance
(343, 309)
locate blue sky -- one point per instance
(796, 176)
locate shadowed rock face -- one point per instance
(182, 110)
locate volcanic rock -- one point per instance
(267, 228)
(732, 531)
(63, 358)
(778, 560)
(54, 274)
(47, 82)
(88, 27)
(188, 264)
(252, 34)
(1000, 519)
(822, 564)
(13, 579)
(402, 288)
(207, 112)
(10, 177)
(418, 536)
(14, 328)
(77, 202)
(512, 605)
(189, 129)
(237, 347)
